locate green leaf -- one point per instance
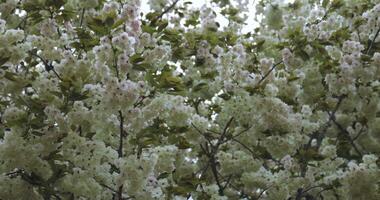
(4, 59)
(225, 96)
(181, 52)
(152, 15)
(86, 40)
(310, 154)
(171, 35)
(66, 15)
(141, 66)
(183, 143)
(180, 190)
(222, 3)
(11, 76)
(199, 86)
(137, 58)
(301, 53)
(168, 81)
(325, 3)
(98, 26)
(162, 25)
(78, 96)
(118, 23)
(259, 44)
(109, 21)
(148, 29)
(57, 4)
(293, 78)
(172, 80)
(336, 4)
(230, 11)
(148, 141)
(341, 35)
(163, 175)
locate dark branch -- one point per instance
(244, 131)
(48, 66)
(165, 11)
(270, 71)
(81, 17)
(373, 41)
(244, 145)
(346, 134)
(108, 187)
(120, 150)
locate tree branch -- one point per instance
(270, 71)
(373, 41)
(164, 12)
(120, 150)
(81, 17)
(48, 66)
(346, 134)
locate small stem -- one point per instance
(81, 18)
(373, 41)
(48, 66)
(245, 146)
(165, 11)
(108, 187)
(115, 60)
(215, 174)
(270, 71)
(347, 135)
(120, 150)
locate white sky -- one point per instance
(251, 23)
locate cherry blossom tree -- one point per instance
(101, 101)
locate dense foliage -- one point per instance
(100, 101)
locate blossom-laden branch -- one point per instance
(346, 135)
(319, 134)
(210, 150)
(269, 72)
(46, 187)
(48, 66)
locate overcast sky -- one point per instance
(222, 20)
(251, 24)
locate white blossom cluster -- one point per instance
(101, 101)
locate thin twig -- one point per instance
(108, 187)
(165, 11)
(270, 71)
(227, 182)
(48, 66)
(201, 133)
(245, 146)
(223, 134)
(359, 134)
(347, 135)
(312, 187)
(262, 192)
(244, 131)
(81, 17)
(373, 41)
(324, 189)
(120, 150)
